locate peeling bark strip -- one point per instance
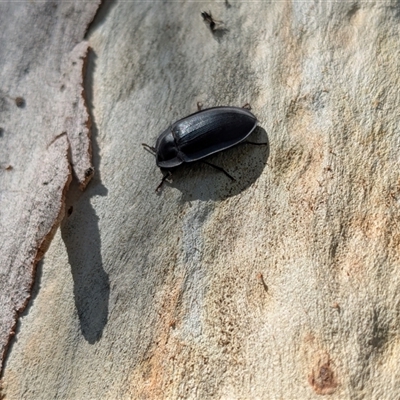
(42, 62)
(35, 227)
(77, 121)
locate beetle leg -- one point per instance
(256, 144)
(149, 148)
(219, 169)
(165, 177)
(199, 105)
(247, 106)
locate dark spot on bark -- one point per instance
(89, 172)
(20, 102)
(353, 10)
(260, 277)
(322, 378)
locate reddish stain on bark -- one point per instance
(322, 378)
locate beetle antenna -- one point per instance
(150, 149)
(219, 169)
(165, 177)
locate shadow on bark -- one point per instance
(81, 235)
(103, 11)
(245, 162)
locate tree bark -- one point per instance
(282, 284)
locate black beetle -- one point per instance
(201, 134)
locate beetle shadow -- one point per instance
(245, 162)
(219, 33)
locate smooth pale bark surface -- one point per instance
(282, 284)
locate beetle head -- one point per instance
(167, 153)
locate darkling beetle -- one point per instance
(201, 134)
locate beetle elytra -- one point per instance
(201, 134)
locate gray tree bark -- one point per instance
(281, 284)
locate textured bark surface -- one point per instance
(282, 284)
(43, 118)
